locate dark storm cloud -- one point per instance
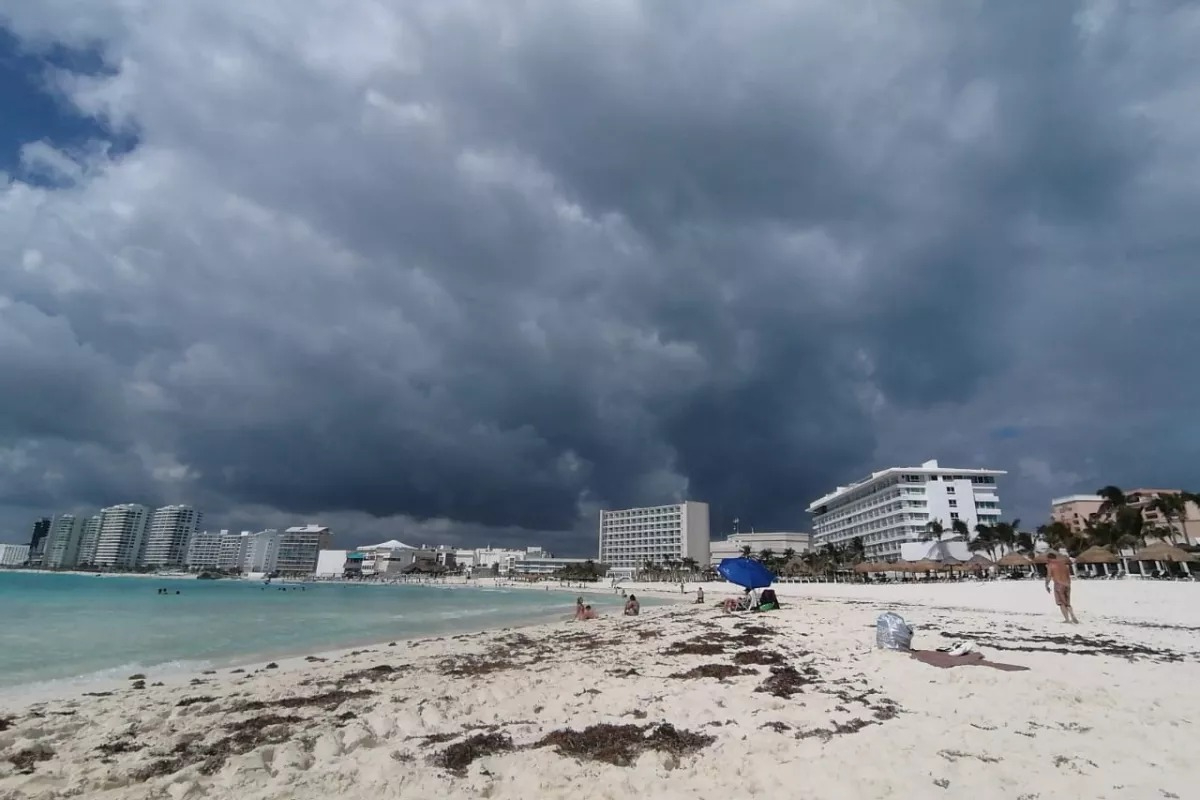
(500, 265)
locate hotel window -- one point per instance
(954, 504)
(949, 490)
(953, 515)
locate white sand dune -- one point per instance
(1105, 709)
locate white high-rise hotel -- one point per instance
(171, 529)
(893, 506)
(631, 537)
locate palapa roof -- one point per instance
(1014, 559)
(1163, 551)
(1096, 555)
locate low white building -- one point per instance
(223, 549)
(777, 542)
(204, 550)
(13, 555)
(542, 566)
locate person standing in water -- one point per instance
(1059, 572)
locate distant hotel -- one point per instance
(171, 530)
(1076, 510)
(632, 537)
(895, 505)
(777, 542)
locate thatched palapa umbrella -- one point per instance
(979, 561)
(1015, 559)
(1096, 555)
(1162, 551)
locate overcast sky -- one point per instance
(470, 271)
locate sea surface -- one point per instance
(60, 629)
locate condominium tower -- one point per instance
(893, 506)
(88, 541)
(62, 548)
(633, 537)
(122, 535)
(171, 529)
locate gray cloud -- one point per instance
(472, 269)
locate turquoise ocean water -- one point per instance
(77, 629)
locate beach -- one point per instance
(682, 702)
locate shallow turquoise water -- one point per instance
(76, 628)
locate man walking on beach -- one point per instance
(1058, 571)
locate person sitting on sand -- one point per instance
(1059, 572)
(588, 613)
(743, 603)
(632, 607)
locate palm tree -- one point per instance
(960, 529)
(1130, 522)
(1113, 498)
(689, 564)
(767, 557)
(933, 531)
(1059, 535)
(856, 552)
(985, 540)
(788, 555)
(1024, 544)
(1173, 508)
(746, 551)
(1006, 534)
(1109, 535)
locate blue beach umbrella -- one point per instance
(745, 572)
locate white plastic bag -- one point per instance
(892, 632)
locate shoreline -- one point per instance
(176, 674)
(682, 701)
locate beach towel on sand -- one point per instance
(946, 660)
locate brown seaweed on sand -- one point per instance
(787, 680)
(720, 671)
(26, 760)
(458, 756)
(622, 744)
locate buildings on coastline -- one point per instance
(298, 549)
(1076, 510)
(62, 549)
(122, 535)
(170, 531)
(37, 540)
(13, 555)
(223, 549)
(630, 538)
(293, 551)
(894, 505)
(88, 541)
(777, 542)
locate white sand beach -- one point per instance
(682, 702)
